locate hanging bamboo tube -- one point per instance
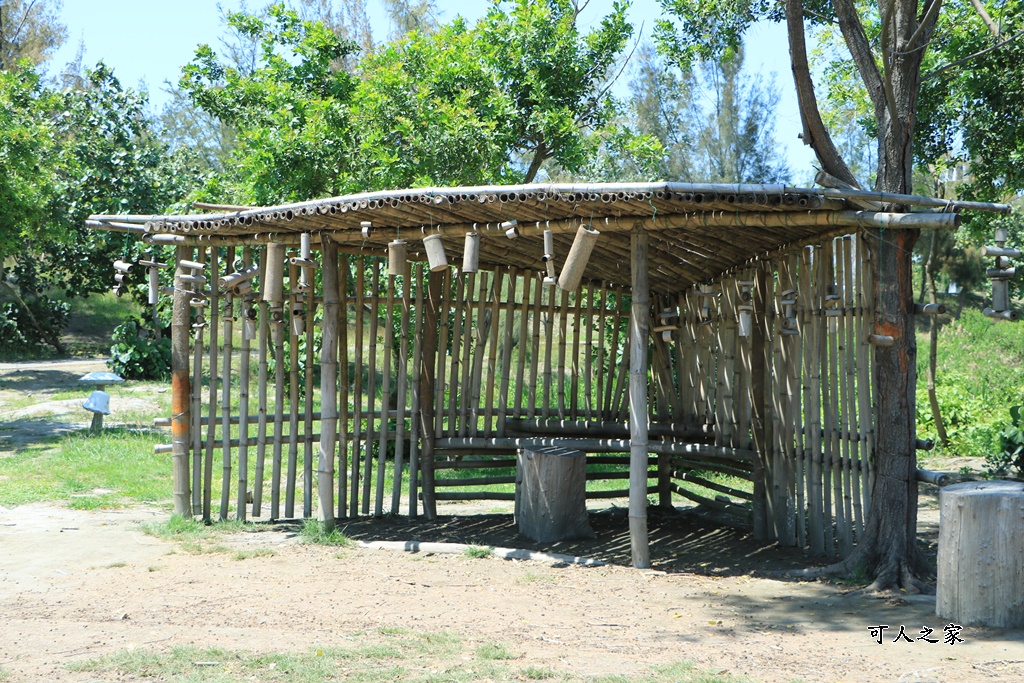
(307, 403)
(371, 388)
(343, 403)
(357, 390)
(243, 406)
(328, 384)
(430, 350)
(576, 261)
(506, 351)
(382, 442)
(638, 416)
(274, 295)
(211, 425)
(294, 309)
(403, 365)
(225, 394)
(196, 406)
(181, 391)
(414, 427)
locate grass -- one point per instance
(250, 554)
(315, 532)
(112, 469)
(477, 552)
(370, 657)
(193, 536)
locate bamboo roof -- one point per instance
(698, 231)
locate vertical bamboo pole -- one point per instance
(243, 407)
(225, 394)
(812, 401)
(549, 338)
(462, 295)
(385, 397)
(293, 394)
(620, 408)
(307, 404)
(563, 332)
(574, 370)
(759, 401)
(197, 399)
(403, 364)
(492, 353)
(588, 363)
(371, 387)
(864, 370)
(277, 332)
(524, 322)
(211, 428)
(430, 350)
(851, 426)
(832, 496)
(778, 373)
(357, 390)
(531, 405)
(471, 329)
(601, 344)
(181, 391)
(843, 398)
(506, 350)
(795, 419)
(343, 427)
(261, 414)
(613, 361)
(328, 382)
(414, 427)
(443, 355)
(638, 415)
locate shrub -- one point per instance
(136, 354)
(1011, 452)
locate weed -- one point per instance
(316, 533)
(477, 552)
(532, 577)
(535, 673)
(494, 651)
(154, 568)
(115, 565)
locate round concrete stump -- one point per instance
(981, 554)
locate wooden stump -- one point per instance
(551, 502)
(981, 554)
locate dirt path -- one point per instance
(77, 585)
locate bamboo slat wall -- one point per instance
(520, 359)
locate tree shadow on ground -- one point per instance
(37, 379)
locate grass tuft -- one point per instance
(315, 532)
(255, 552)
(536, 673)
(477, 552)
(494, 651)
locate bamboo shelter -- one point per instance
(680, 335)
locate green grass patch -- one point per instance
(111, 469)
(477, 552)
(495, 651)
(537, 673)
(193, 536)
(315, 532)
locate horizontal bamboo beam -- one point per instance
(730, 508)
(529, 427)
(592, 445)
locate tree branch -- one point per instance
(992, 28)
(947, 67)
(815, 134)
(860, 49)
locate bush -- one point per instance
(17, 331)
(1011, 453)
(136, 354)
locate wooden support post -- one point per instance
(181, 390)
(638, 416)
(430, 352)
(328, 383)
(414, 426)
(211, 429)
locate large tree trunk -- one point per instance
(887, 549)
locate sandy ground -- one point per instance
(75, 585)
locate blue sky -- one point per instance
(147, 42)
